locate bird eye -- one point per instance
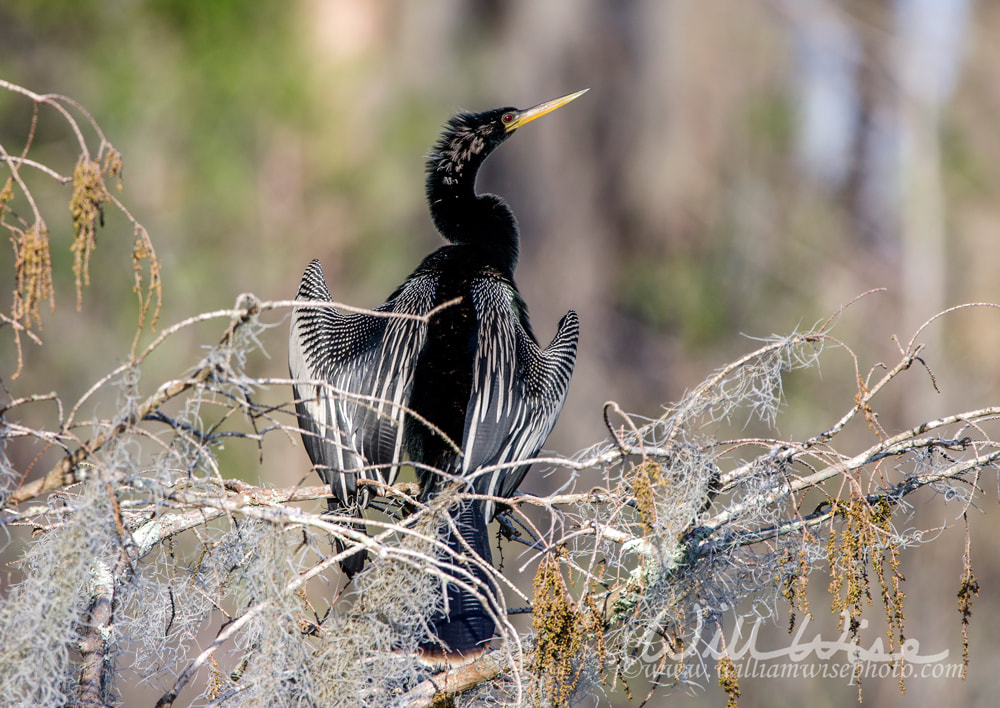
(507, 117)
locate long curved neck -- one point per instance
(462, 216)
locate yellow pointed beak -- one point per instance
(529, 114)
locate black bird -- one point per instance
(471, 378)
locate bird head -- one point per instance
(460, 215)
(469, 137)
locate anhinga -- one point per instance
(473, 370)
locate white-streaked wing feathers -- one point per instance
(353, 425)
(518, 390)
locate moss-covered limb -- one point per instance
(93, 686)
(955, 471)
(66, 471)
(439, 688)
(898, 445)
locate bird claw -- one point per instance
(507, 527)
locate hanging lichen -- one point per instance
(795, 582)
(645, 479)
(33, 267)
(729, 680)
(87, 208)
(968, 589)
(563, 631)
(866, 542)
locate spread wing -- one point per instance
(353, 424)
(518, 389)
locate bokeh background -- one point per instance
(738, 169)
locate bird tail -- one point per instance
(354, 563)
(463, 626)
